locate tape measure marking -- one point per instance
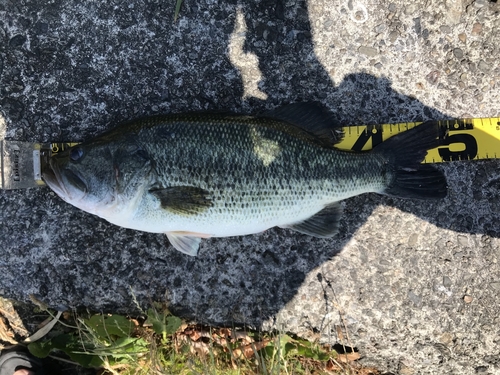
(467, 139)
(61, 146)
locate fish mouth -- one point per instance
(65, 183)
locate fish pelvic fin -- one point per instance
(323, 224)
(403, 154)
(188, 245)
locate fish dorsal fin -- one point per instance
(311, 118)
(185, 244)
(185, 200)
(323, 224)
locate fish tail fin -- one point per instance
(404, 154)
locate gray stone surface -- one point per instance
(413, 285)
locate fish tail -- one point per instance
(408, 178)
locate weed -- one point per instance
(161, 343)
(177, 9)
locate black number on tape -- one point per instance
(470, 151)
(372, 131)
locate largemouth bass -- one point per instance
(194, 176)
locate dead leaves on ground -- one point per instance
(10, 323)
(203, 341)
(344, 365)
(6, 333)
(236, 345)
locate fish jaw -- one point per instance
(64, 182)
(72, 188)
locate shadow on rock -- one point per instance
(69, 258)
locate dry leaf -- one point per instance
(194, 335)
(179, 342)
(5, 333)
(243, 336)
(225, 332)
(204, 333)
(219, 340)
(247, 351)
(67, 315)
(44, 323)
(347, 357)
(15, 323)
(135, 321)
(331, 366)
(200, 348)
(42, 332)
(220, 336)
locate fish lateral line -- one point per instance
(468, 139)
(462, 139)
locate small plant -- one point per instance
(163, 324)
(100, 341)
(161, 343)
(177, 9)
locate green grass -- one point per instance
(177, 9)
(161, 343)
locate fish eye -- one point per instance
(143, 154)
(76, 153)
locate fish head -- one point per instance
(102, 177)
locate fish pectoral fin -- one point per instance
(185, 244)
(323, 224)
(186, 200)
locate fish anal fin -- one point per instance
(186, 200)
(184, 243)
(323, 224)
(192, 234)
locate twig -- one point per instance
(63, 360)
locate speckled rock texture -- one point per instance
(412, 285)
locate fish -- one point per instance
(203, 174)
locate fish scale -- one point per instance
(298, 178)
(193, 176)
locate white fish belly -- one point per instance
(236, 217)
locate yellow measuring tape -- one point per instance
(60, 146)
(467, 139)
